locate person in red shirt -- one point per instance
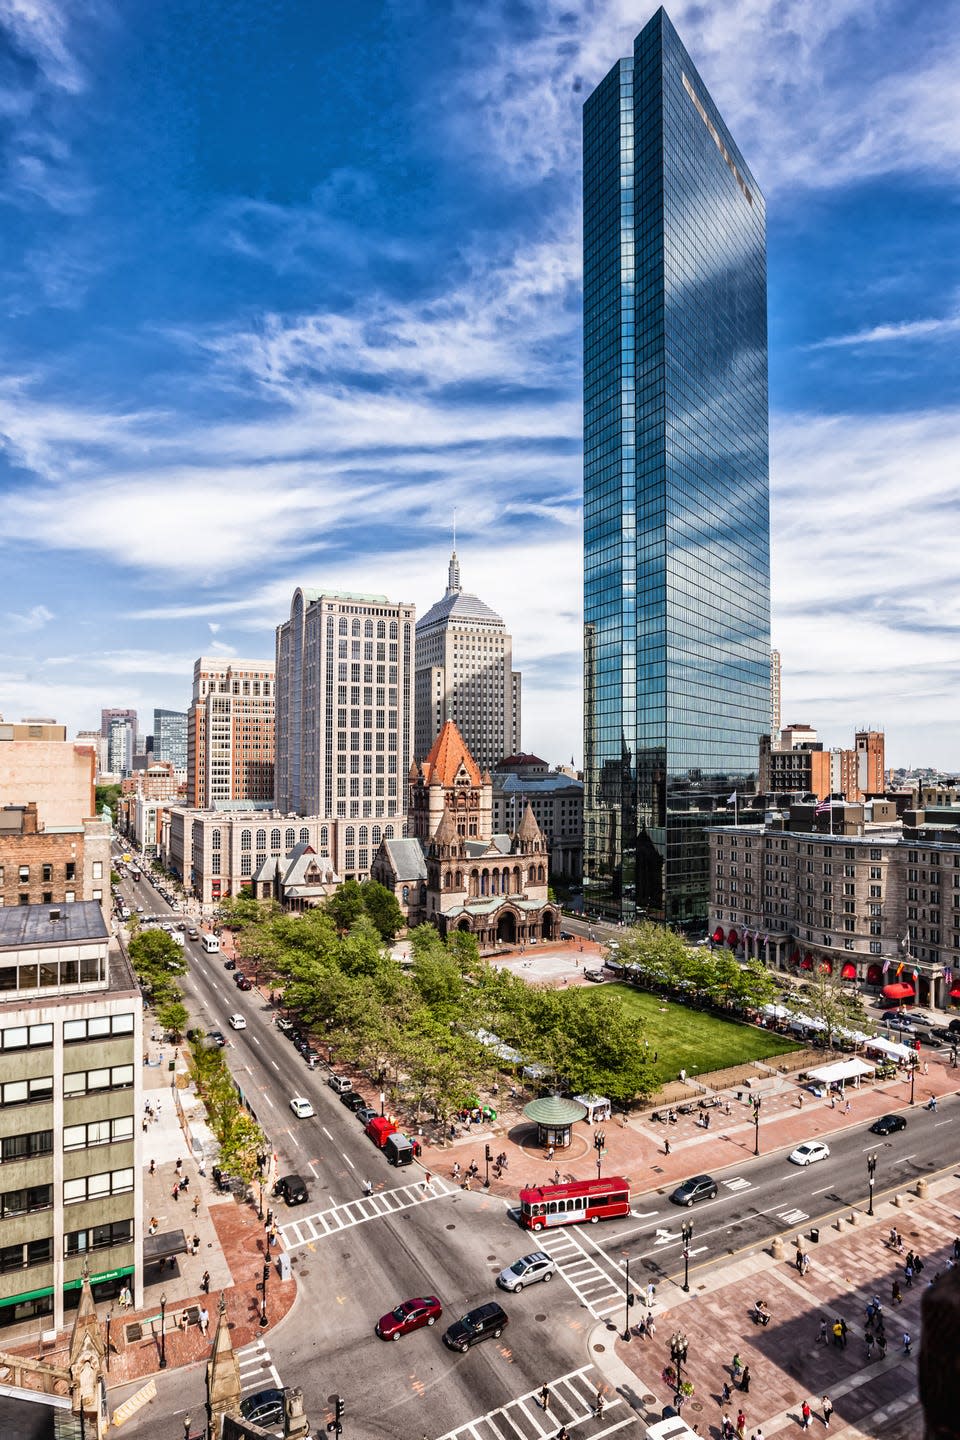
(805, 1413)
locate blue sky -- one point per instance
(283, 284)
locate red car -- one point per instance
(411, 1315)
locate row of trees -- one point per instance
(157, 961)
(417, 1031)
(663, 960)
(241, 1140)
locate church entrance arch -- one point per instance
(507, 928)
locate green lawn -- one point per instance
(692, 1040)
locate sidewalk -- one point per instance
(232, 1248)
(787, 1364)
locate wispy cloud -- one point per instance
(932, 329)
(34, 619)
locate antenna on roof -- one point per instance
(454, 528)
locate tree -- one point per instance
(172, 1015)
(381, 905)
(345, 905)
(108, 795)
(828, 1000)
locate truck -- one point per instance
(210, 943)
(388, 1137)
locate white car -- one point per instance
(808, 1152)
(535, 1266)
(301, 1107)
(238, 1022)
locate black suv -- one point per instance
(292, 1188)
(476, 1325)
(701, 1187)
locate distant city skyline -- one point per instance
(322, 285)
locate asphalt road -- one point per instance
(365, 1258)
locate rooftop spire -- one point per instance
(453, 575)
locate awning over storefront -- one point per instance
(825, 967)
(165, 1246)
(898, 991)
(806, 963)
(717, 936)
(874, 974)
(849, 971)
(955, 993)
(732, 938)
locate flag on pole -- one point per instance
(732, 799)
(899, 969)
(885, 967)
(823, 807)
(905, 942)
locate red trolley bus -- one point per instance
(545, 1205)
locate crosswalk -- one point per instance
(595, 1279)
(257, 1370)
(737, 1182)
(572, 1401)
(307, 1229)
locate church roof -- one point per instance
(446, 831)
(406, 860)
(529, 829)
(447, 755)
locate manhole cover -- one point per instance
(600, 1348)
(649, 1399)
(540, 1316)
(696, 1405)
(451, 1227)
(133, 1332)
(491, 1257)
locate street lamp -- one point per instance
(686, 1232)
(629, 1301)
(383, 1101)
(487, 1157)
(263, 1297)
(109, 1319)
(678, 1354)
(757, 1100)
(871, 1171)
(163, 1332)
(599, 1141)
(913, 1072)
(186, 1427)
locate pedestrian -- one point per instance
(843, 1334)
(368, 1187)
(185, 1183)
(741, 1426)
(846, 1108)
(273, 1236)
(598, 1407)
(563, 1433)
(545, 1397)
(651, 1295)
(798, 1260)
(826, 1408)
(205, 1282)
(956, 1248)
(456, 1169)
(204, 1318)
(881, 1345)
(175, 1192)
(907, 1342)
(153, 1226)
(868, 1341)
(805, 1264)
(144, 1124)
(550, 1153)
(799, 1102)
(195, 1245)
(745, 1380)
(908, 1276)
(917, 1266)
(426, 1180)
(736, 1367)
(909, 1259)
(726, 1428)
(666, 1147)
(805, 1413)
(822, 1335)
(837, 1332)
(725, 1393)
(896, 1294)
(556, 1177)
(153, 1167)
(179, 1167)
(196, 1206)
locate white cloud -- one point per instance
(34, 619)
(38, 28)
(892, 333)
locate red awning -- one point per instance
(874, 974)
(732, 938)
(899, 991)
(955, 993)
(718, 936)
(806, 963)
(825, 967)
(795, 958)
(849, 971)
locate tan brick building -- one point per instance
(230, 732)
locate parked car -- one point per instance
(700, 1187)
(365, 1113)
(353, 1100)
(887, 1124)
(483, 1323)
(410, 1315)
(291, 1188)
(229, 964)
(301, 1107)
(238, 1022)
(340, 1083)
(283, 1024)
(244, 984)
(809, 1152)
(264, 1407)
(217, 1036)
(525, 1271)
(593, 975)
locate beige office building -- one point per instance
(230, 732)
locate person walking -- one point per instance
(736, 1367)
(745, 1380)
(826, 1409)
(805, 1263)
(907, 1342)
(598, 1407)
(881, 1344)
(196, 1206)
(956, 1248)
(545, 1397)
(179, 1167)
(837, 1332)
(868, 1342)
(666, 1147)
(805, 1413)
(725, 1393)
(798, 1260)
(175, 1192)
(205, 1282)
(204, 1318)
(741, 1426)
(896, 1294)
(908, 1275)
(917, 1266)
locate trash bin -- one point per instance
(171, 1064)
(815, 1236)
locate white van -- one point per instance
(210, 943)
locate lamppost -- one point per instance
(913, 1072)
(686, 1232)
(629, 1302)
(678, 1354)
(871, 1171)
(163, 1332)
(757, 1100)
(383, 1101)
(599, 1140)
(186, 1427)
(487, 1157)
(109, 1319)
(263, 1297)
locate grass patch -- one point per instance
(692, 1040)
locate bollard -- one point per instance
(922, 1188)
(838, 1224)
(897, 1201)
(776, 1249)
(854, 1218)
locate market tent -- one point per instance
(841, 1071)
(775, 1012)
(597, 1107)
(888, 1047)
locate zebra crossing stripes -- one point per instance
(739, 1182)
(257, 1370)
(599, 1290)
(792, 1217)
(307, 1229)
(572, 1401)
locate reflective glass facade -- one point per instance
(676, 482)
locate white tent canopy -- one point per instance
(841, 1071)
(889, 1047)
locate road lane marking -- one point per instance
(572, 1402)
(353, 1212)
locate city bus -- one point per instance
(543, 1206)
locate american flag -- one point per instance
(823, 807)
(886, 967)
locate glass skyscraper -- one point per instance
(676, 482)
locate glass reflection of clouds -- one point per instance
(676, 480)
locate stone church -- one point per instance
(453, 871)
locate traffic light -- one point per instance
(339, 1406)
(487, 1154)
(631, 1299)
(334, 1426)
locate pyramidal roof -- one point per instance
(447, 756)
(457, 604)
(529, 829)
